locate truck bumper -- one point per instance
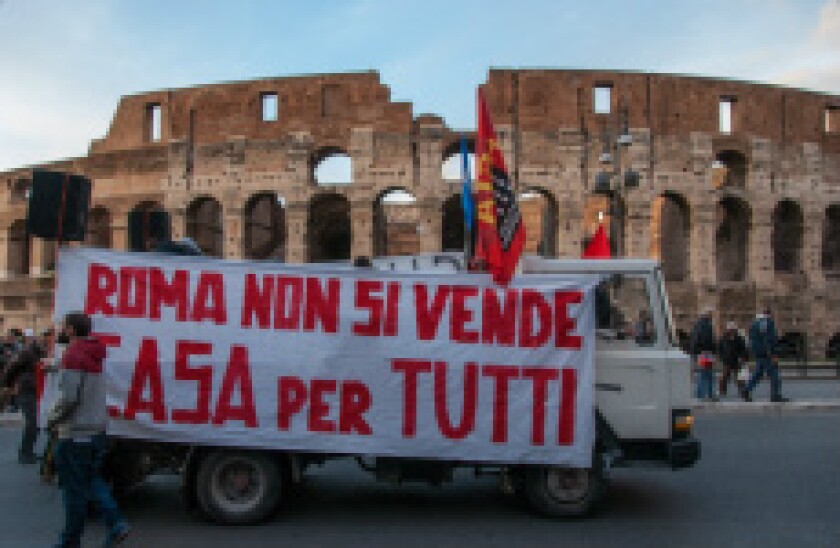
(683, 453)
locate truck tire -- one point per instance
(557, 491)
(239, 487)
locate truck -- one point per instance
(643, 414)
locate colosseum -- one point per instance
(738, 190)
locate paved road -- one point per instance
(764, 480)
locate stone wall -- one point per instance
(708, 202)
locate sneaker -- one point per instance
(779, 399)
(746, 396)
(118, 534)
(27, 459)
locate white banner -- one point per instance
(339, 360)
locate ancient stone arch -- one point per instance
(205, 225)
(831, 240)
(99, 228)
(332, 166)
(395, 223)
(18, 249)
(540, 214)
(670, 232)
(263, 219)
(787, 237)
(732, 239)
(734, 169)
(328, 228)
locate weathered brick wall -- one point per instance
(215, 146)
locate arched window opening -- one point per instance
(265, 227)
(670, 229)
(329, 228)
(832, 349)
(98, 228)
(539, 213)
(17, 256)
(332, 166)
(732, 239)
(787, 237)
(205, 225)
(395, 222)
(831, 241)
(730, 169)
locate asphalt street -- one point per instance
(763, 480)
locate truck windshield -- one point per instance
(666, 308)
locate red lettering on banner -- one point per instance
(392, 310)
(468, 407)
(410, 369)
(146, 373)
(355, 402)
(367, 299)
(288, 303)
(533, 302)
(202, 375)
(563, 324)
(501, 374)
(540, 377)
(319, 410)
(238, 373)
(428, 317)
(132, 304)
(568, 402)
(174, 293)
(257, 301)
(101, 286)
(498, 323)
(209, 301)
(321, 307)
(461, 315)
(291, 397)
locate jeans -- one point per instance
(705, 383)
(766, 365)
(79, 468)
(29, 407)
(74, 462)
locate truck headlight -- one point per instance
(683, 422)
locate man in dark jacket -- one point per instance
(702, 347)
(763, 341)
(20, 379)
(732, 351)
(78, 418)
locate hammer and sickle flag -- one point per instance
(500, 235)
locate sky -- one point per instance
(65, 63)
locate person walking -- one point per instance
(702, 347)
(20, 380)
(763, 341)
(732, 351)
(78, 419)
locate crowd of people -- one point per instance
(73, 418)
(733, 351)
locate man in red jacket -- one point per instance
(78, 418)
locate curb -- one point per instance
(766, 407)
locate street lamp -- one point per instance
(614, 183)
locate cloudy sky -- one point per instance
(65, 63)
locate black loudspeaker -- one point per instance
(58, 206)
(147, 228)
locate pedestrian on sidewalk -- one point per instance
(763, 341)
(702, 347)
(78, 419)
(732, 351)
(20, 380)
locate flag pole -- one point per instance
(466, 200)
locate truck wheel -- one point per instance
(557, 491)
(238, 487)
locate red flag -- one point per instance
(599, 247)
(500, 235)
